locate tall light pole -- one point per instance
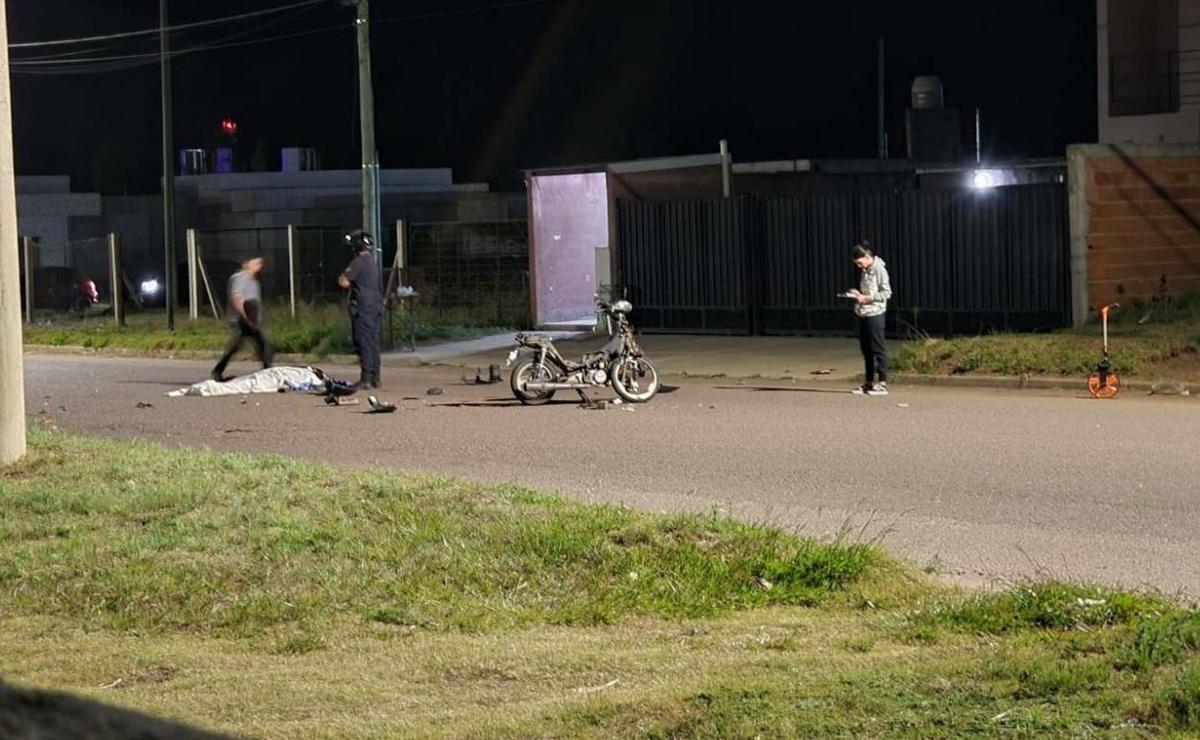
(366, 117)
(168, 143)
(12, 377)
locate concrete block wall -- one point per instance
(1135, 223)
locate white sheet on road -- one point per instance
(269, 380)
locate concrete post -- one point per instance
(193, 259)
(116, 284)
(27, 257)
(725, 168)
(12, 372)
(291, 246)
(1080, 218)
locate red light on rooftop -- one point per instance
(229, 127)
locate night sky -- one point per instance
(493, 86)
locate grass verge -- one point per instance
(318, 330)
(270, 597)
(1148, 341)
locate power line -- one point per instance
(123, 62)
(149, 31)
(56, 60)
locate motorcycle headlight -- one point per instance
(150, 287)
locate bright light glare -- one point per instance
(983, 180)
(150, 287)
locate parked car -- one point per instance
(63, 289)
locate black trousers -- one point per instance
(241, 332)
(874, 347)
(364, 332)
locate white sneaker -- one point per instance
(862, 390)
(879, 389)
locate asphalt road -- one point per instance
(987, 486)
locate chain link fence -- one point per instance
(478, 270)
(65, 279)
(476, 273)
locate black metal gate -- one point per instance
(960, 261)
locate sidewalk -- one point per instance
(492, 349)
(772, 358)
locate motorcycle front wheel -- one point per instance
(634, 379)
(530, 371)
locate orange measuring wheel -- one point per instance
(1103, 384)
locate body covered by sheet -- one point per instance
(269, 380)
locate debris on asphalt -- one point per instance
(599, 404)
(144, 405)
(336, 401)
(823, 371)
(617, 402)
(493, 376)
(435, 391)
(902, 405)
(379, 407)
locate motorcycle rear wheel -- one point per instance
(635, 380)
(527, 371)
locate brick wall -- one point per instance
(1140, 220)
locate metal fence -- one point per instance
(70, 278)
(961, 262)
(479, 270)
(476, 272)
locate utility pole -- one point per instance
(366, 119)
(12, 377)
(168, 163)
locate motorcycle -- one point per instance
(620, 363)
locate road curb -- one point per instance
(1025, 382)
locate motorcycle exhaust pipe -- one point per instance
(534, 387)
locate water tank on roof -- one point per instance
(927, 93)
(193, 162)
(300, 159)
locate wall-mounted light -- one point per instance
(984, 179)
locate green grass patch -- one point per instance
(276, 598)
(318, 330)
(1143, 340)
(1051, 605)
(136, 538)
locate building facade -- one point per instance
(1148, 71)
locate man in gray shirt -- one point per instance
(245, 316)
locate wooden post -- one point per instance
(114, 280)
(208, 290)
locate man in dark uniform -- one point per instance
(361, 279)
